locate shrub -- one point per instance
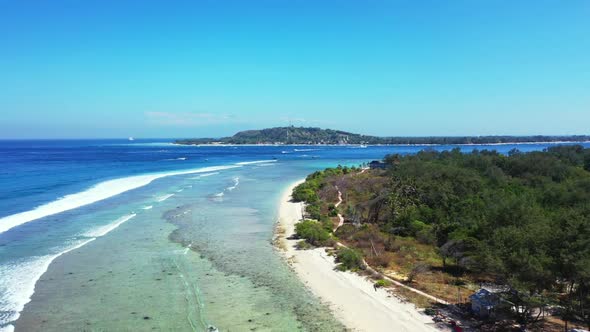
(313, 232)
(314, 211)
(382, 283)
(349, 259)
(303, 193)
(303, 245)
(426, 236)
(417, 226)
(430, 311)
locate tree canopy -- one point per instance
(521, 219)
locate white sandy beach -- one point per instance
(351, 297)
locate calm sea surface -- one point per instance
(114, 235)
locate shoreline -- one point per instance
(351, 297)
(379, 145)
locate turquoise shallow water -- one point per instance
(184, 245)
(194, 259)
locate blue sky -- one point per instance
(72, 69)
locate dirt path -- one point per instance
(340, 217)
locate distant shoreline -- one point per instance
(373, 145)
(317, 136)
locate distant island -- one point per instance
(317, 136)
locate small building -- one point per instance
(377, 164)
(483, 303)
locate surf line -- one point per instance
(98, 192)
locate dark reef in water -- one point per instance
(311, 316)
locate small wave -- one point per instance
(221, 194)
(208, 174)
(255, 162)
(94, 194)
(305, 150)
(148, 207)
(19, 279)
(104, 230)
(265, 165)
(236, 183)
(163, 198)
(203, 175)
(180, 190)
(285, 152)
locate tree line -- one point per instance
(313, 136)
(521, 220)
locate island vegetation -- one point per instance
(317, 136)
(448, 222)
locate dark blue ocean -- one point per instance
(72, 209)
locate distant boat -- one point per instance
(131, 139)
(212, 328)
(363, 146)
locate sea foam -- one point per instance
(104, 230)
(305, 150)
(256, 162)
(236, 184)
(163, 198)
(19, 279)
(94, 194)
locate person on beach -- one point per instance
(375, 287)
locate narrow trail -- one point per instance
(373, 271)
(395, 282)
(340, 217)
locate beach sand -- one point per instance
(351, 297)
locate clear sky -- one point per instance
(197, 68)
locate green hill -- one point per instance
(314, 136)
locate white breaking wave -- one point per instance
(255, 162)
(305, 150)
(20, 277)
(236, 183)
(148, 207)
(19, 280)
(204, 175)
(94, 194)
(208, 174)
(220, 194)
(163, 198)
(104, 230)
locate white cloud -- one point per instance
(293, 120)
(188, 119)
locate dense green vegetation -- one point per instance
(520, 220)
(304, 136)
(349, 259)
(314, 232)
